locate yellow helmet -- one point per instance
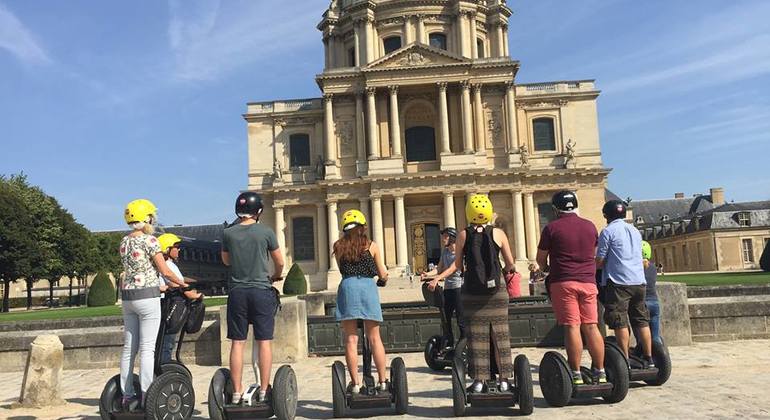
(351, 219)
(478, 210)
(139, 211)
(167, 240)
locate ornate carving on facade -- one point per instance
(437, 18)
(524, 152)
(280, 122)
(495, 127)
(328, 96)
(277, 170)
(442, 86)
(392, 21)
(344, 130)
(423, 213)
(540, 104)
(465, 84)
(569, 154)
(371, 90)
(393, 89)
(320, 168)
(414, 59)
(293, 121)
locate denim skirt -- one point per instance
(358, 298)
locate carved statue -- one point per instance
(570, 152)
(320, 169)
(524, 151)
(414, 59)
(277, 170)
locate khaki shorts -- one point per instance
(625, 303)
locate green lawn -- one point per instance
(718, 279)
(82, 312)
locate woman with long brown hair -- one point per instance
(360, 260)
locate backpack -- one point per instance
(195, 319)
(176, 313)
(482, 264)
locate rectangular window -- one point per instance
(744, 219)
(303, 238)
(544, 134)
(299, 150)
(437, 40)
(545, 214)
(748, 251)
(352, 57)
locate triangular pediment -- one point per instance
(416, 55)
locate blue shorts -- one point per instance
(251, 306)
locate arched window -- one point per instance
(299, 150)
(391, 44)
(544, 134)
(302, 234)
(480, 47)
(437, 40)
(420, 144)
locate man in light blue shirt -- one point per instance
(619, 256)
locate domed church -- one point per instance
(419, 108)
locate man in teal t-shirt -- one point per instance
(251, 300)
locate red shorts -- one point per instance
(574, 302)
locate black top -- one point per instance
(364, 267)
(651, 276)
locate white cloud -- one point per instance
(209, 39)
(19, 41)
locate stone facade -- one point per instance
(420, 109)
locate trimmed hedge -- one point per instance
(102, 292)
(764, 260)
(295, 283)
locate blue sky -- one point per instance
(103, 102)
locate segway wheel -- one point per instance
(555, 379)
(459, 402)
(431, 353)
(175, 367)
(616, 366)
(171, 396)
(399, 384)
(339, 401)
(522, 376)
(220, 393)
(111, 399)
(662, 362)
(285, 393)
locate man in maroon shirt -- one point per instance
(568, 244)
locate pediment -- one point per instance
(416, 55)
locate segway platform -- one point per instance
(282, 403)
(655, 376)
(361, 400)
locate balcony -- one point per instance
(550, 88)
(293, 105)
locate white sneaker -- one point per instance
(478, 386)
(353, 388)
(503, 386)
(382, 386)
(236, 398)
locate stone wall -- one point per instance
(730, 318)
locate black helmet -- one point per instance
(614, 209)
(248, 203)
(452, 232)
(565, 200)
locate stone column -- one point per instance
(280, 226)
(371, 123)
(520, 247)
(443, 118)
(449, 209)
(377, 222)
(461, 20)
(369, 40)
(323, 242)
(334, 233)
(420, 30)
(474, 47)
(499, 44)
(363, 206)
(467, 118)
(360, 140)
(529, 213)
(329, 138)
(333, 46)
(41, 383)
(401, 244)
(506, 52)
(357, 44)
(510, 110)
(408, 38)
(327, 57)
(395, 126)
(478, 113)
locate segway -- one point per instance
(282, 403)
(556, 378)
(369, 396)
(439, 352)
(637, 371)
(520, 392)
(171, 395)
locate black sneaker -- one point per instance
(649, 362)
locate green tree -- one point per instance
(47, 231)
(17, 245)
(102, 292)
(295, 283)
(74, 250)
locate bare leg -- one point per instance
(595, 344)
(349, 328)
(236, 364)
(645, 337)
(574, 344)
(265, 361)
(378, 349)
(621, 334)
